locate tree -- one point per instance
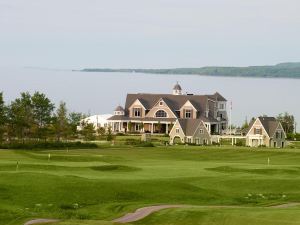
(287, 122)
(42, 109)
(60, 122)
(88, 131)
(101, 131)
(74, 121)
(3, 117)
(109, 136)
(21, 116)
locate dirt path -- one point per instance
(40, 221)
(286, 205)
(143, 212)
(146, 211)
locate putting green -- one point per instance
(97, 186)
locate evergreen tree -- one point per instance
(74, 121)
(60, 122)
(101, 131)
(88, 131)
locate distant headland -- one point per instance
(281, 70)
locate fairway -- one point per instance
(94, 187)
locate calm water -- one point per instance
(99, 93)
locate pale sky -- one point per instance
(75, 34)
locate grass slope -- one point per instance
(96, 186)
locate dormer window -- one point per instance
(137, 112)
(188, 113)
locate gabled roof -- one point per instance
(189, 126)
(177, 87)
(270, 124)
(218, 97)
(119, 109)
(175, 102)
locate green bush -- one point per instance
(49, 145)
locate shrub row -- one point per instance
(49, 145)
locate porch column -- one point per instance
(119, 126)
(113, 126)
(127, 127)
(167, 128)
(151, 128)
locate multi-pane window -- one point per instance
(177, 130)
(222, 106)
(137, 112)
(188, 113)
(161, 114)
(257, 131)
(201, 131)
(137, 127)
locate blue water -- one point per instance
(99, 93)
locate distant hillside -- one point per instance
(283, 70)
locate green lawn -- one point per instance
(92, 187)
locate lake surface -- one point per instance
(100, 93)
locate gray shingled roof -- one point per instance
(118, 117)
(270, 124)
(218, 96)
(189, 126)
(175, 102)
(177, 87)
(119, 108)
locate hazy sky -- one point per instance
(148, 33)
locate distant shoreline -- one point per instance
(282, 70)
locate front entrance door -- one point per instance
(254, 143)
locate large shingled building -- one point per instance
(157, 113)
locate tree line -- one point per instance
(36, 118)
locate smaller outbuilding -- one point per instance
(191, 131)
(266, 131)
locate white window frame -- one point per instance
(161, 116)
(188, 112)
(137, 112)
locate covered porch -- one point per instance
(137, 126)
